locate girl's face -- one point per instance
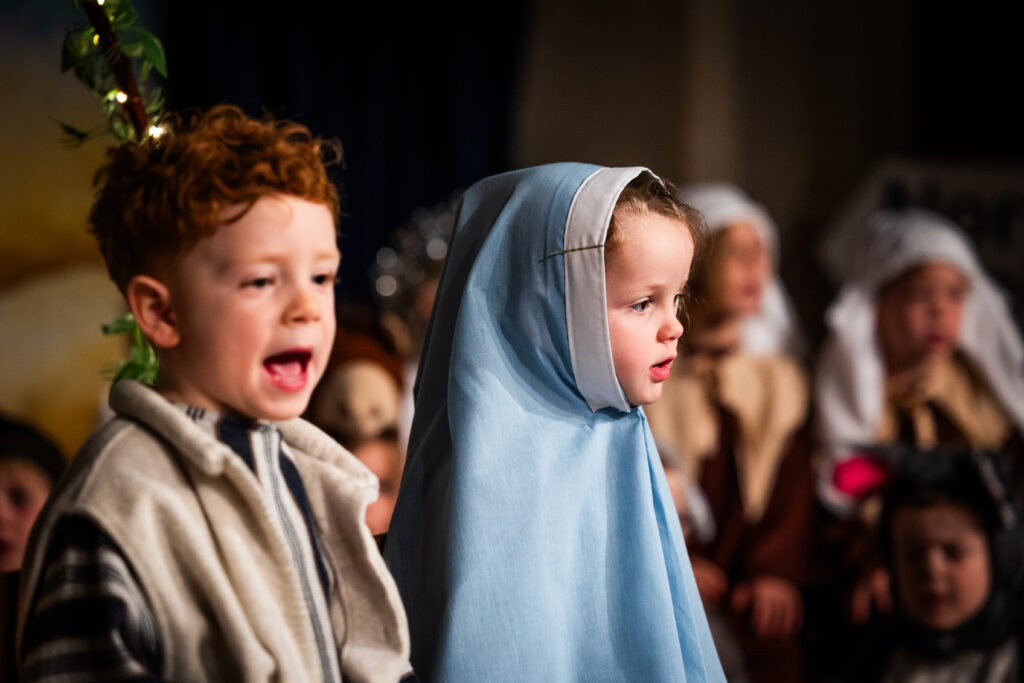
(919, 315)
(644, 281)
(941, 564)
(740, 269)
(23, 490)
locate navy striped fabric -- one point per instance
(90, 615)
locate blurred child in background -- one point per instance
(951, 535)
(922, 351)
(30, 464)
(736, 411)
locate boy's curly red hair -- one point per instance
(157, 198)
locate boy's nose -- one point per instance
(304, 306)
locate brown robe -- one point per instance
(740, 424)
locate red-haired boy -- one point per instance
(207, 533)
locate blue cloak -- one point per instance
(534, 538)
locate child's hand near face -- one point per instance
(871, 592)
(775, 605)
(712, 583)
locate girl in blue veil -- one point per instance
(534, 537)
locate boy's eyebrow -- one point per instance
(329, 253)
(273, 257)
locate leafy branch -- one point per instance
(114, 57)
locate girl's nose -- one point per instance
(671, 329)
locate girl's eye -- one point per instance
(641, 306)
(19, 498)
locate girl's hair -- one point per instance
(647, 194)
(158, 197)
(21, 441)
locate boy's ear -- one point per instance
(150, 302)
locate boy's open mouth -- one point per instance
(287, 370)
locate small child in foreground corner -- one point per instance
(951, 534)
(207, 533)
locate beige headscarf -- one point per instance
(850, 378)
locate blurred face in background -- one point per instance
(739, 269)
(919, 315)
(23, 490)
(941, 564)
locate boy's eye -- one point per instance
(325, 279)
(641, 306)
(258, 282)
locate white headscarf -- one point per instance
(773, 329)
(851, 374)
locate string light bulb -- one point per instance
(96, 39)
(156, 131)
(121, 97)
(100, 2)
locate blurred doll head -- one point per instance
(356, 400)
(383, 456)
(951, 532)
(920, 313)
(29, 465)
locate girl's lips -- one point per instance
(288, 370)
(661, 371)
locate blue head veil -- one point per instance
(534, 536)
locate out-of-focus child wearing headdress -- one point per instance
(736, 410)
(922, 351)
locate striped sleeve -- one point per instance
(89, 619)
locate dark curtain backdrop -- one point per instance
(420, 95)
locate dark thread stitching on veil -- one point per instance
(566, 251)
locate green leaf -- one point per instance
(154, 51)
(122, 15)
(133, 50)
(122, 130)
(156, 103)
(86, 73)
(122, 325)
(68, 53)
(72, 136)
